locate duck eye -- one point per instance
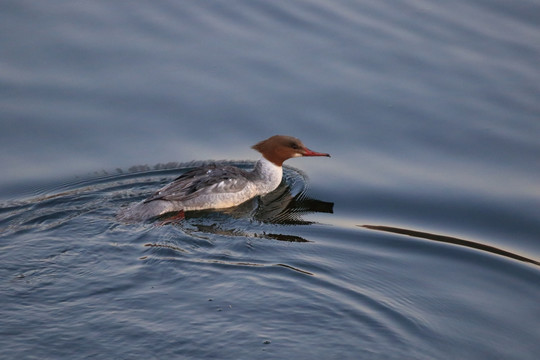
(295, 146)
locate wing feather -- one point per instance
(204, 180)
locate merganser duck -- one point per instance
(219, 187)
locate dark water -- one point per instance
(419, 238)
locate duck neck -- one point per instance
(267, 174)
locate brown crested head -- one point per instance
(279, 148)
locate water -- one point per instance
(419, 238)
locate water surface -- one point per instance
(417, 239)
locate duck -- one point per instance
(218, 186)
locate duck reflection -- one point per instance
(281, 207)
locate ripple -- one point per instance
(285, 205)
(265, 263)
(452, 240)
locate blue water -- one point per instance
(418, 239)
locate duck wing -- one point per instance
(204, 180)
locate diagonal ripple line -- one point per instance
(451, 240)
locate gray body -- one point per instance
(208, 187)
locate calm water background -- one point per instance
(430, 111)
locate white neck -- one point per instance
(267, 175)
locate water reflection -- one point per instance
(451, 240)
(282, 207)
